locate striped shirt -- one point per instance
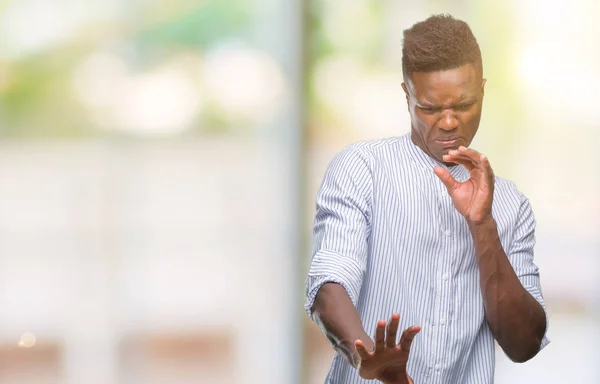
(387, 231)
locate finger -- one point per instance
(392, 331)
(467, 162)
(471, 153)
(487, 168)
(380, 335)
(407, 337)
(446, 178)
(362, 350)
(482, 165)
(464, 153)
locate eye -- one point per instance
(428, 110)
(464, 107)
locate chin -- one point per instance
(443, 152)
(440, 158)
(439, 155)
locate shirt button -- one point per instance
(438, 367)
(448, 233)
(442, 321)
(445, 276)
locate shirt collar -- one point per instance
(427, 162)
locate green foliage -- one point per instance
(200, 26)
(37, 101)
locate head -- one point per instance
(443, 82)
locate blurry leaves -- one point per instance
(36, 101)
(200, 26)
(338, 31)
(36, 91)
(353, 28)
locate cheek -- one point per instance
(425, 125)
(471, 120)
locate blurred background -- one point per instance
(159, 162)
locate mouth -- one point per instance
(449, 142)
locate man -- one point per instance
(418, 231)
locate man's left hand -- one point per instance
(472, 198)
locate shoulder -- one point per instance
(509, 197)
(372, 151)
(508, 188)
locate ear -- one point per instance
(405, 89)
(405, 92)
(483, 81)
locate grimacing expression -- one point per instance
(445, 108)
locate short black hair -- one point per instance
(439, 43)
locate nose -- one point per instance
(448, 121)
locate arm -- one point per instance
(384, 359)
(341, 231)
(516, 319)
(339, 321)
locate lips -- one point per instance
(449, 138)
(448, 141)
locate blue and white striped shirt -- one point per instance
(387, 231)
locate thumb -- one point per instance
(446, 178)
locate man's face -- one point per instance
(445, 108)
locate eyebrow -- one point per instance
(462, 102)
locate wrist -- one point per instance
(349, 343)
(348, 352)
(348, 348)
(484, 223)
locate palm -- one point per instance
(472, 198)
(387, 362)
(387, 365)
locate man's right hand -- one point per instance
(387, 362)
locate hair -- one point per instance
(439, 43)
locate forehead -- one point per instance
(447, 85)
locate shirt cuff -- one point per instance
(331, 267)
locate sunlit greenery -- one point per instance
(37, 100)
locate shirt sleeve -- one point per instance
(521, 257)
(341, 226)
